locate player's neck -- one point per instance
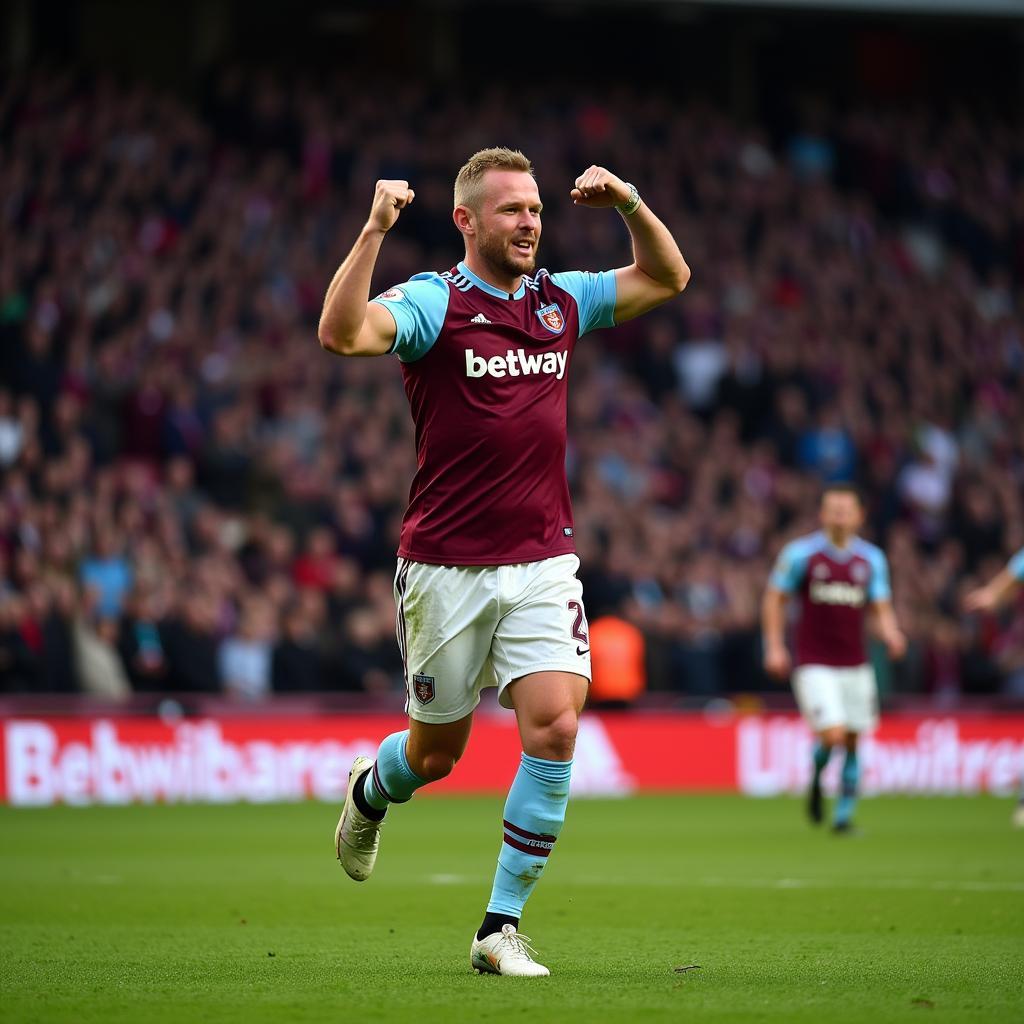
(487, 274)
(839, 540)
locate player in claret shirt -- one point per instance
(486, 585)
(836, 577)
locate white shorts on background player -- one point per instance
(465, 627)
(830, 697)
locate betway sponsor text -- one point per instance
(516, 363)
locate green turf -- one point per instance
(209, 914)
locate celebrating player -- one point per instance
(486, 585)
(836, 575)
(989, 598)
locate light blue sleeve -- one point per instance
(791, 566)
(594, 295)
(1016, 566)
(879, 588)
(419, 307)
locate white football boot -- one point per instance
(505, 952)
(357, 837)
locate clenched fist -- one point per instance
(598, 188)
(389, 199)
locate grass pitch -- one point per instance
(211, 914)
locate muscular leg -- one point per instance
(834, 737)
(408, 760)
(547, 706)
(433, 750)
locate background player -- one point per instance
(993, 595)
(486, 586)
(836, 576)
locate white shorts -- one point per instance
(830, 697)
(464, 627)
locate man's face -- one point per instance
(508, 222)
(841, 513)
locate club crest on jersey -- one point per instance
(551, 317)
(859, 572)
(423, 687)
(391, 295)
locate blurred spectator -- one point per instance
(18, 669)
(107, 573)
(827, 450)
(297, 663)
(617, 653)
(316, 566)
(171, 435)
(703, 601)
(100, 672)
(943, 670)
(12, 434)
(56, 609)
(140, 644)
(369, 658)
(189, 639)
(245, 657)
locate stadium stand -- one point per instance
(194, 497)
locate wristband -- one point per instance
(632, 204)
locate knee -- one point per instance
(555, 739)
(435, 765)
(834, 737)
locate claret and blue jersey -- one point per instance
(834, 586)
(486, 374)
(420, 306)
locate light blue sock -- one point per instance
(391, 780)
(848, 800)
(534, 813)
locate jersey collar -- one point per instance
(489, 288)
(839, 554)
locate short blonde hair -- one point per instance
(469, 180)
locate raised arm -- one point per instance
(351, 325)
(658, 271)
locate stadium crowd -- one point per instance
(195, 497)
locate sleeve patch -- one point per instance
(418, 308)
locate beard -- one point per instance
(494, 251)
